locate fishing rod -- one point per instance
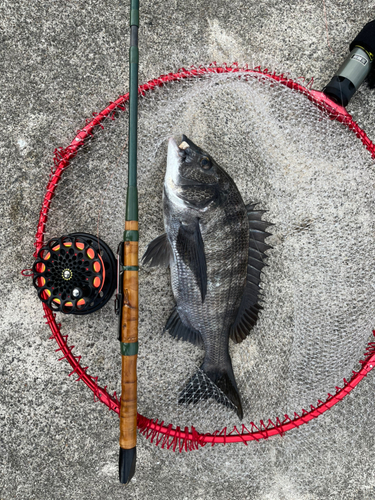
(127, 268)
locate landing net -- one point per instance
(312, 169)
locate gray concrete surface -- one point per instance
(59, 62)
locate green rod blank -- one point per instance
(132, 194)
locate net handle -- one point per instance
(356, 67)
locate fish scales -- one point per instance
(225, 234)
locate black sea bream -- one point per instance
(214, 245)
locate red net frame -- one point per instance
(168, 436)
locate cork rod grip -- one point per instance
(129, 344)
(129, 350)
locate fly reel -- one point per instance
(75, 274)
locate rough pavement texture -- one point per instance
(60, 61)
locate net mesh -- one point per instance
(314, 178)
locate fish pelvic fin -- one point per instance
(158, 253)
(213, 383)
(250, 307)
(180, 331)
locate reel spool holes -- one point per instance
(75, 274)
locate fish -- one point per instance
(215, 248)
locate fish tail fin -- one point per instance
(213, 383)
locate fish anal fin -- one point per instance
(158, 253)
(180, 331)
(190, 247)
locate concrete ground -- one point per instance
(59, 61)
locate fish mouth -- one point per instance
(172, 180)
(174, 160)
(187, 143)
(184, 145)
(183, 149)
(176, 155)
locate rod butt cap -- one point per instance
(127, 464)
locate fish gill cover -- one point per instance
(315, 180)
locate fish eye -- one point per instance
(206, 163)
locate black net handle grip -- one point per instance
(365, 39)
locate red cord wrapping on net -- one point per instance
(168, 436)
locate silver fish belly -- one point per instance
(214, 245)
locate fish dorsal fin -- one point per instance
(190, 247)
(177, 328)
(249, 308)
(158, 253)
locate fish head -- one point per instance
(193, 179)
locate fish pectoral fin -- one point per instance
(158, 252)
(190, 247)
(248, 311)
(177, 329)
(219, 385)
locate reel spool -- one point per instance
(75, 274)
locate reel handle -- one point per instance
(356, 67)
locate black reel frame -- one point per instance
(75, 274)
